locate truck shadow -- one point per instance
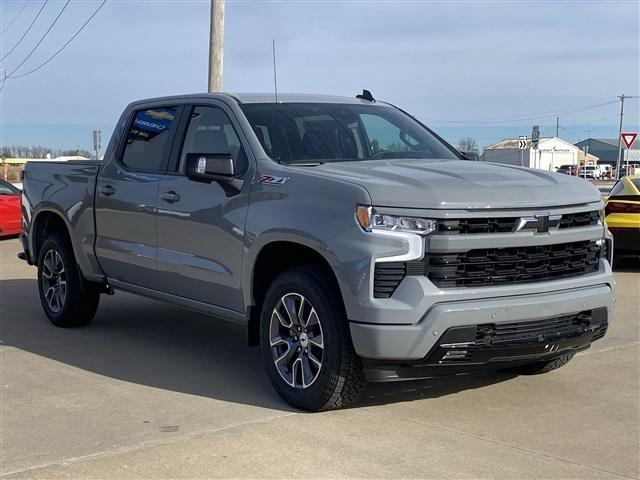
(407, 391)
(159, 345)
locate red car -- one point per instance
(10, 214)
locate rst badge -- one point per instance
(273, 180)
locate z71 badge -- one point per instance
(272, 180)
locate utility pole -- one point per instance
(557, 126)
(216, 45)
(97, 143)
(622, 99)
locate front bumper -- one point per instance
(412, 343)
(488, 346)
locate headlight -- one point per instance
(371, 221)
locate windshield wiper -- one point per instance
(310, 163)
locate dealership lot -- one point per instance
(153, 390)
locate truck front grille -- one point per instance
(505, 266)
(582, 219)
(492, 266)
(550, 329)
(471, 226)
(480, 343)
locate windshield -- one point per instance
(334, 132)
(7, 189)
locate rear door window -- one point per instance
(149, 139)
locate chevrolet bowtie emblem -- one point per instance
(540, 222)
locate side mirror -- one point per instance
(210, 167)
(470, 156)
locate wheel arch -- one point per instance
(271, 260)
(46, 222)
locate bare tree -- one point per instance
(39, 151)
(72, 153)
(468, 144)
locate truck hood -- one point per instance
(460, 184)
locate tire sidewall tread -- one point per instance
(341, 378)
(81, 301)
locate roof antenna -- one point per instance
(275, 73)
(366, 95)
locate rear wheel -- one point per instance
(66, 299)
(542, 367)
(305, 342)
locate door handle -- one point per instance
(170, 197)
(107, 190)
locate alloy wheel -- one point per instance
(296, 340)
(54, 281)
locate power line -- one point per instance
(608, 117)
(63, 46)
(26, 31)
(24, 5)
(528, 117)
(39, 41)
(574, 135)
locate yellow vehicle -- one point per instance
(622, 212)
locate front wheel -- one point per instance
(66, 300)
(305, 342)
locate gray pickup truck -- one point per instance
(349, 240)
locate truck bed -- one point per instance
(66, 188)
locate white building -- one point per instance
(550, 154)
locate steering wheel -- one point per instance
(380, 154)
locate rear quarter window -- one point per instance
(148, 139)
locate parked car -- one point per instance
(590, 171)
(630, 169)
(349, 240)
(623, 214)
(567, 169)
(606, 171)
(10, 215)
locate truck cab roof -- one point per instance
(257, 97)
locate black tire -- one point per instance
(340, 379)
(81, 298)
(543, 367)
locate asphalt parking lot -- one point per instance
(151, 390)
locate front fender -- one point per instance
(306, 209)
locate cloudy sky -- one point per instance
(483, 69)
